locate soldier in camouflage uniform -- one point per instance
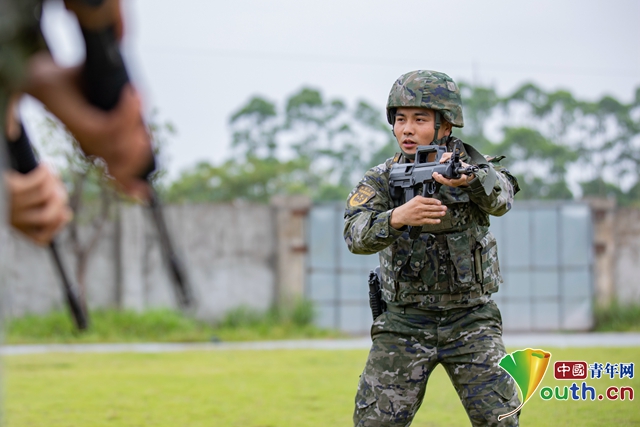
(38, 200)
(437, 287)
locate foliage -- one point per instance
(301, 314)
(108, 326)
(161, 133)
(618, 318)
(164, 325)
(252, 179)
(559, 146)
(302, 388)
(309, 145)
(296, 321)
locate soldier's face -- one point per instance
(416, 126)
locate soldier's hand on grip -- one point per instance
(418, 211)
(463, 181)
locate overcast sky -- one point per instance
(197, 61)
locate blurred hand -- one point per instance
(119, 136)
(38, 204)
(122, 140)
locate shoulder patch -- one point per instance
(363, 194)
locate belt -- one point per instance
(408, 310)
(433, 299)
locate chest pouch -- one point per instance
(462, 254)
(417, 258)
(486, 263)
(400, 255)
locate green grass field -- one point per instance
(164, 325)
(276, 388)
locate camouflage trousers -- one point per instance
(406, 349)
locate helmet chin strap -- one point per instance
(407, 155)
(436, 128)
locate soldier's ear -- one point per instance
(446, 127)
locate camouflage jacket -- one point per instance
(20, 37)
(452, 264)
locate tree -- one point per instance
(308, 145)
(558, 146)
(92, 194)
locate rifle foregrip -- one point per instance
(23, 159)
(105, 73)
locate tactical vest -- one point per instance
(454, 260)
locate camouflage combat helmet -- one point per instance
(427, 89)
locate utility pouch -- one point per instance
(461, 250)
(489, 266)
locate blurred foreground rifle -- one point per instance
(105, 75)
(407, 179)
(23, 161)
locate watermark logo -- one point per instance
(566, 370)
(527, 368)
(570, 370)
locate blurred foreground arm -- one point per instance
(37, 198)
(119, 136)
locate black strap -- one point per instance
(480, 160)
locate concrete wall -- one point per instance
(617, 249)
(31, 284)
(234, 254)
(627, 264)
(242, 253)
(228, 253)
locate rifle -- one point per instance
(23, 161)
(406, 179)
(104, 75)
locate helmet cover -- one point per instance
(427, 89)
